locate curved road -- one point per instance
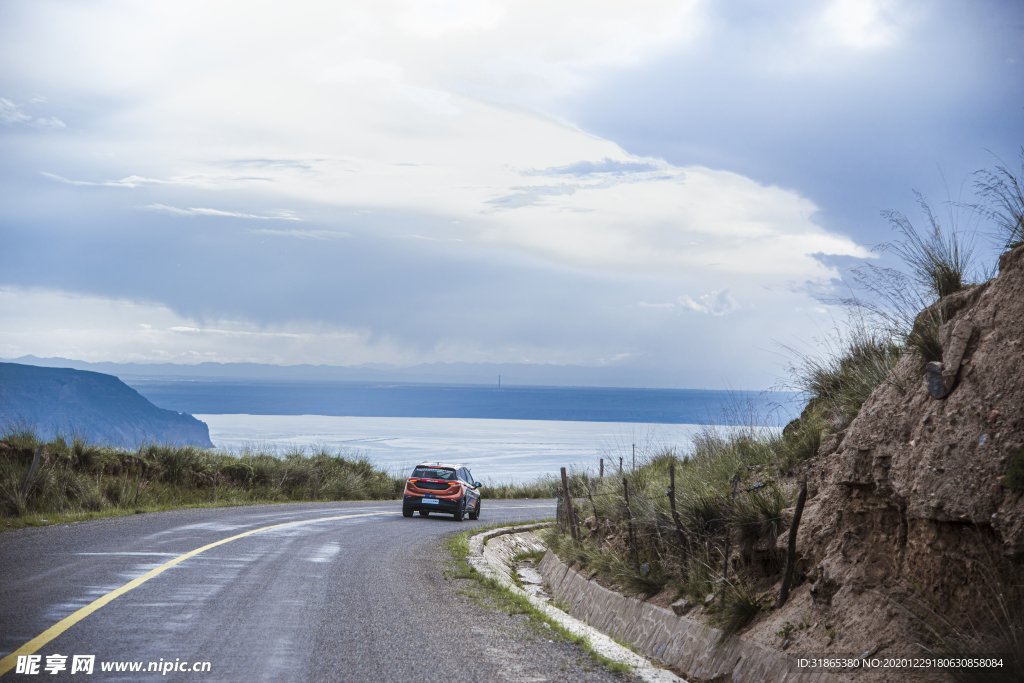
(338, 592)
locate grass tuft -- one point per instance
(739, 607)
(759, 517)
(940, 259)
(923, 340)
(1004, 193)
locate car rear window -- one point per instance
(433, 473)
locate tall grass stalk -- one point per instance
(940, 260)
(1003, 193)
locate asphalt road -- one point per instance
(361, 598)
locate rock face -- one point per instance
(100, 408)
(912, 489)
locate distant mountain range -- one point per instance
(520, 374)
(96, 406)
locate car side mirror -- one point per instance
(477, 484)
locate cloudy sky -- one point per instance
(668, 185)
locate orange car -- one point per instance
(439, 487)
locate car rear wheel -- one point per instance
(460, 513)
(424, 513)
(406, 512)
(475, 514)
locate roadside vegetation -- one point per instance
(542, 487)
(77, 480)
(490, 594)
(714, 538)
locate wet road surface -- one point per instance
(340, 592)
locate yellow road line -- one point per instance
(8, 662)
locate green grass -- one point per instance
(839, 377)
(76, 480)
(534, 556)
(543, 487)
(758, 517)
(489, 593)
(740, 605)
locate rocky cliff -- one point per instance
(908, 505)
(98, 407)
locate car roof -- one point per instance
(440, 464)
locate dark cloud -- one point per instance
(854, 133)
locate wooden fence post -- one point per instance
(632, 536)
(597, 520)
(728, 533)
(213, 488)
(570, 512)
(684, 541)
(602, 468)
(138, 481)
(791, 551)
(31, 471)
(278, 491)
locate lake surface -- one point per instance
(367, 399)
(494, 450)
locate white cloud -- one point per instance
(213, 180)
(408, 121)
(715, 303)
(304, 234)
(10, 113)
(862, 24)
(52, 123)
(379, 90)
(280, 216)
(93, 328)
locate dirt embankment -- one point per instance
(910, 493)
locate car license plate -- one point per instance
(431, 501)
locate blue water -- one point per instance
(366, 399)
(494, 450)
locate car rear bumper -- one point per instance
(416, 503)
